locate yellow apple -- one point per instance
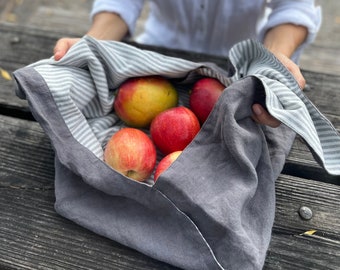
(140, 99)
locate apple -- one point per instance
(140, 99)
(173, 129)
(165, 163)
(132, 153)
(203, 97)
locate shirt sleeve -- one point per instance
(299, 12)
(128, 10)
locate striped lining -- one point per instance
(286, 102)
(83, 84)
(84, 81)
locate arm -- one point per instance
(293, 13)
(108, 26)
(105, 25)
(291, 25)
(111, 19)
(285, 38)
(282, 41)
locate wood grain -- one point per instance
(27, 159)
(291, 247)
(323, 91)
(21, 46)
(321, 88)
(53, 16)
(33, 236)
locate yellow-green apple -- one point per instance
(165, 163)
(203, 97)
(140, 99)
(132, 153)
(173, 129)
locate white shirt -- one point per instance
(212, 26)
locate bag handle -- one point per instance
(286, 102)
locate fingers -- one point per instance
(261, 116)
(60, 49)
(293, 68)
(62, 46)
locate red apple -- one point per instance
(173, 129)
(131, 152)
(165, 163)
(140, 99)
(203, 97)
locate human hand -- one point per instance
(101, 29)
(260, 115)
(293, 68)
(62, 46)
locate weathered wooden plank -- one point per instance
(9, 102)
(61, 15)
(322, 58)
(24, 45)
(322, 54)
(21, 46)
(32, 235)
(18, 48)
(17, 43)
(73, 17)
(49, 241)
(300, 162)
(291, 247)
(27, 159)
(291, 252)
(322, 199)
(323, 91)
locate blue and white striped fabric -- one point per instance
(85, 98)
(286, 102)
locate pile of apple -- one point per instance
(152, 103)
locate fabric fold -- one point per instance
(286, 102)
(214, 207)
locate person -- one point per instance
(285, 27)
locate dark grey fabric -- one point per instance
(225, 181)
(212, 209)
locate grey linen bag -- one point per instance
(214, 207)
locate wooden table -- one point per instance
(34, 236)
